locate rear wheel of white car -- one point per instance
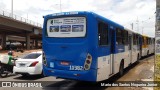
(42, 75)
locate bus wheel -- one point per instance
(121, 69)
(138, 58)
(147, 53)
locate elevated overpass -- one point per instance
(16, 28)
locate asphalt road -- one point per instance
(140, 71)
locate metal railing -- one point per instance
(19, 18)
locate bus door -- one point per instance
(104, 59)
(140, 45)
(113, 36)
(130, 48)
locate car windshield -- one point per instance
(32, 56)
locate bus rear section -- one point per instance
(68, 48)
(86, 46)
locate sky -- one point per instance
(124, 12)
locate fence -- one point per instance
(19, 18)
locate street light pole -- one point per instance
(12, 8)
(142, 27)
(137, 25)
(132, 26)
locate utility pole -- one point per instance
(27, 18)
(142, 30)
(12, 8)
(132, 26)
(137, 25)
(60, 6)
(142, 27)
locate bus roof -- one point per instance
(89, 13)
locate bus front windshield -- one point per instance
(66, 27)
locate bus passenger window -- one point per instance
(119, 40)
(142, 40)
(147, 41)
(103, 33)
(125, 38)
(135, 39)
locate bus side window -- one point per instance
(143, 41)
(125, 37)
(150, 41)
(119, 40)
(135, 39)
(147, 40)
(103, 33)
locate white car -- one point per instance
(30, 64)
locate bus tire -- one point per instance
(121, 68)
(138, 58)
(148, 53)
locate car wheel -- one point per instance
(42, 75)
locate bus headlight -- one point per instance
(88, 62)
(44, 59)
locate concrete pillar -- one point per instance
(28, 41)
(36, 44)
(32, 44)
(3, 40)
(22, 45)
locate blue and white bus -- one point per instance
(86, 46)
